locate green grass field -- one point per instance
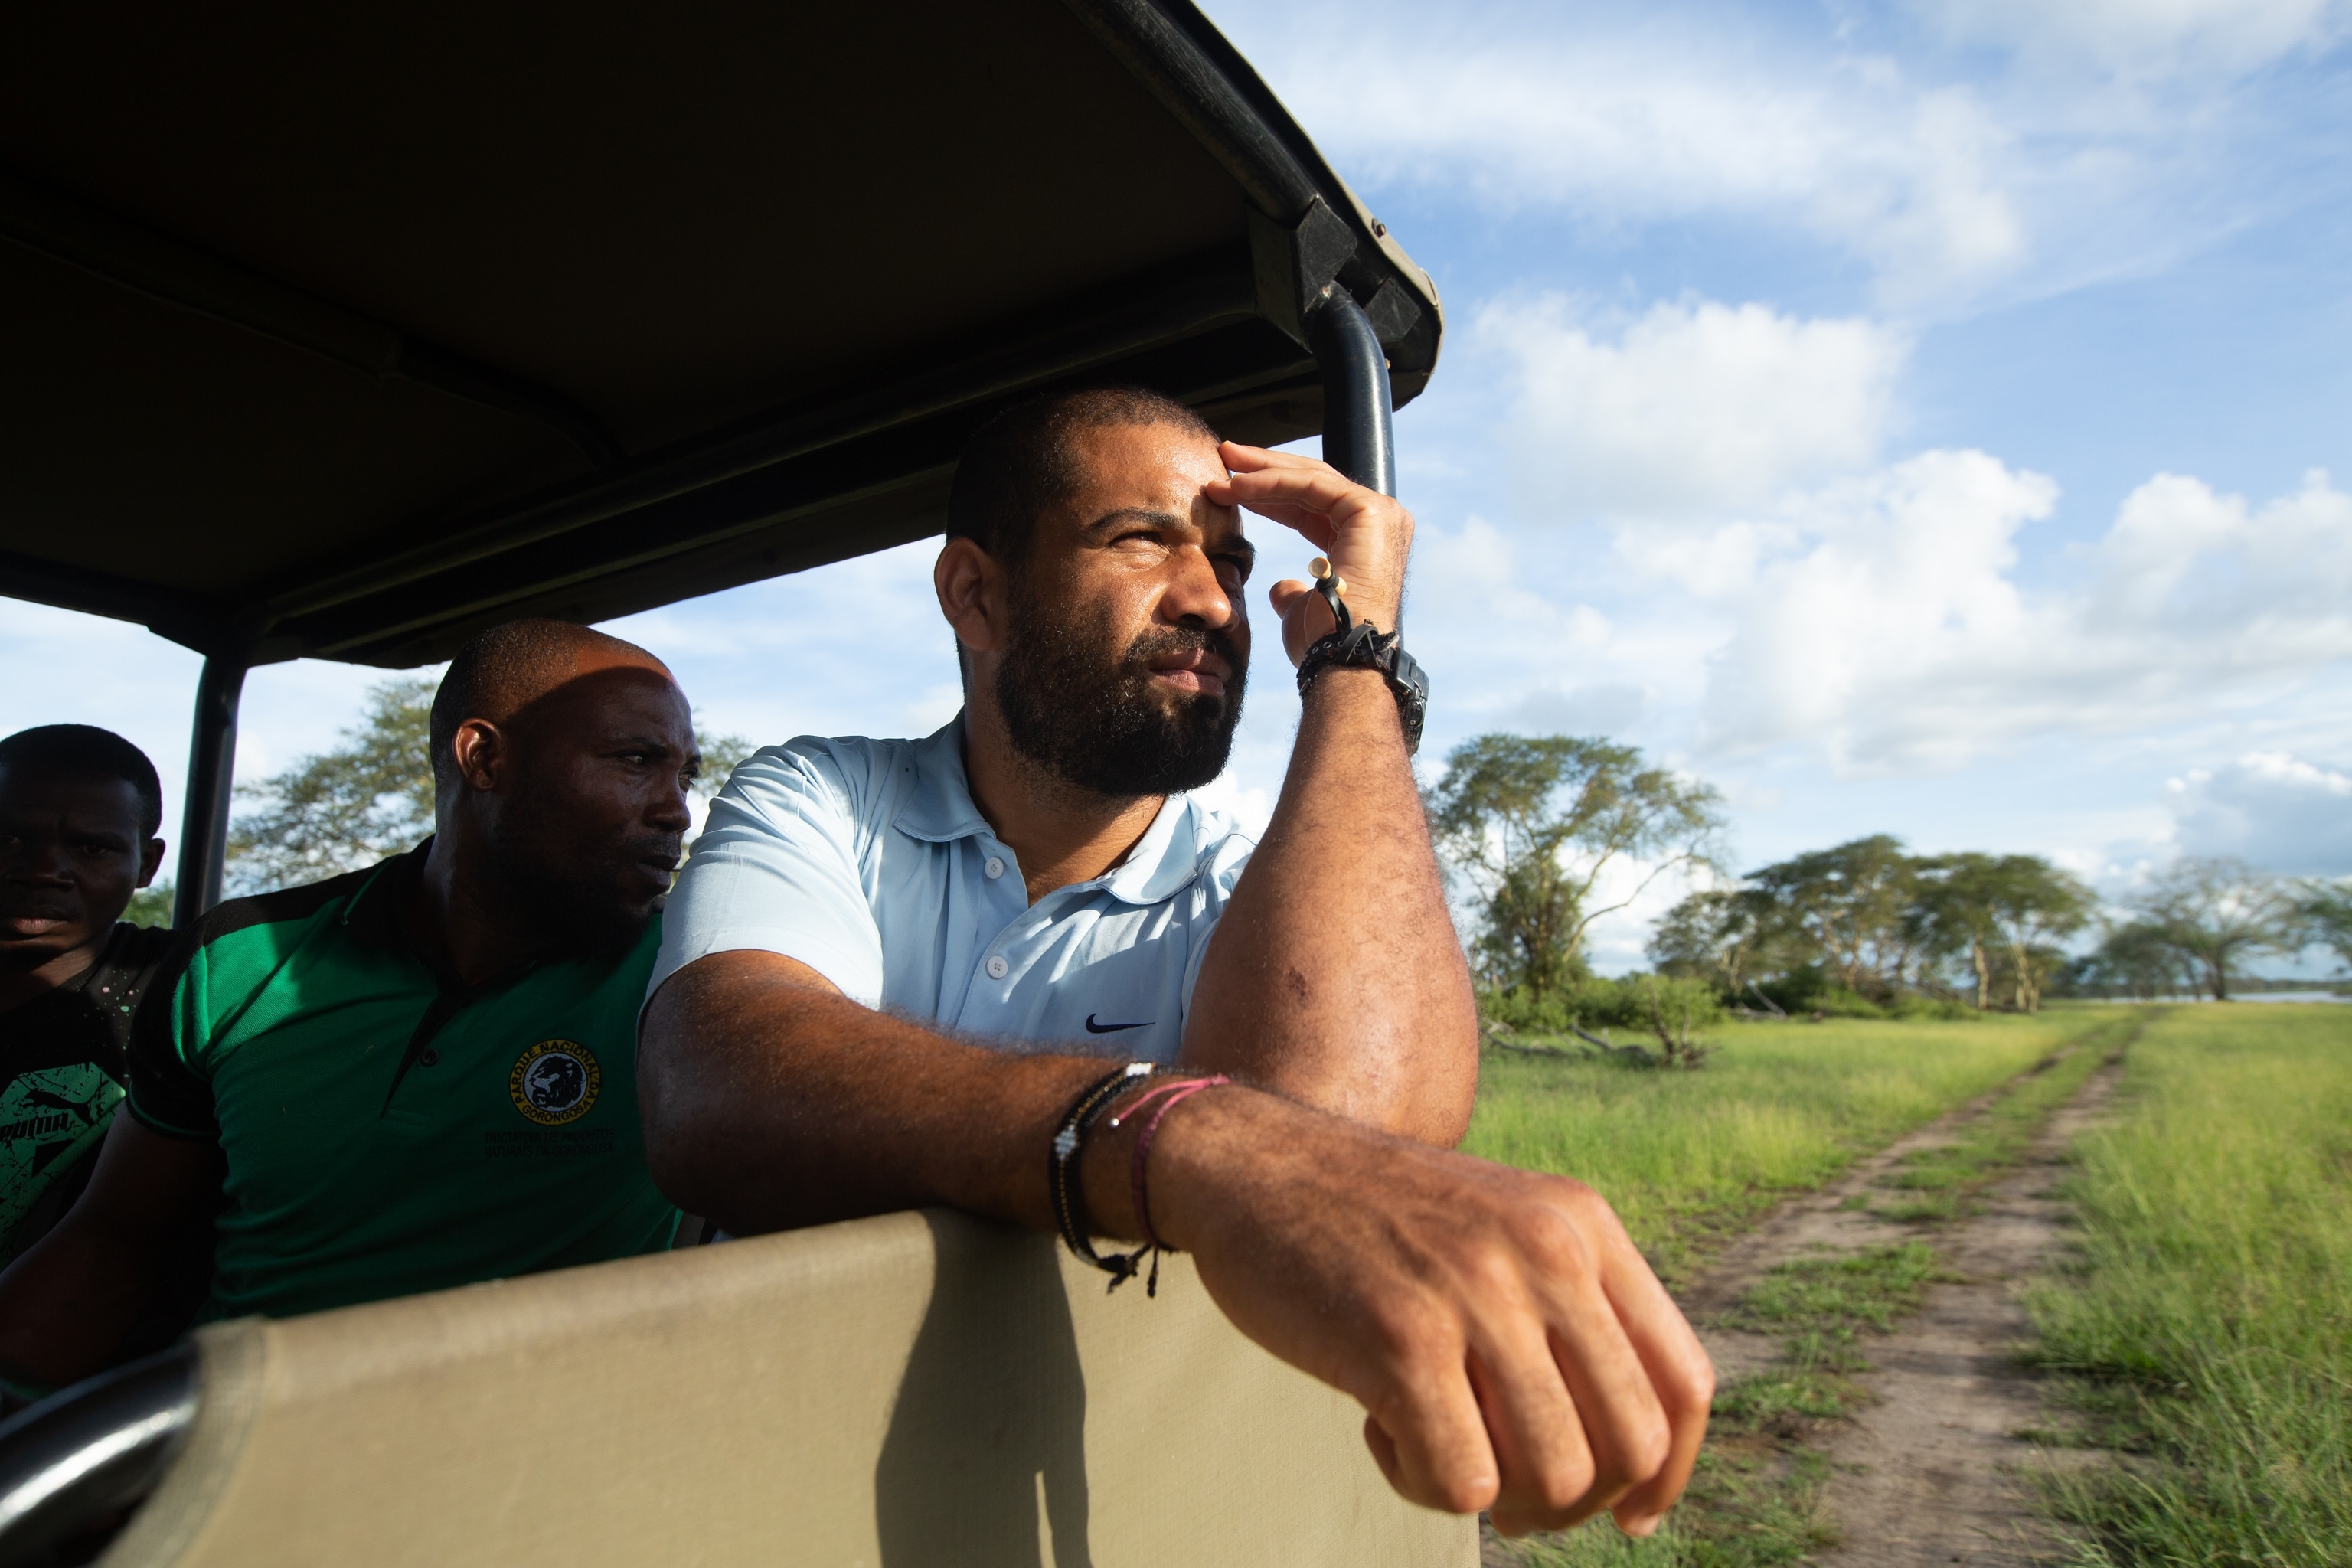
(2209, 1333)
(1688, 1156)
(1787, 1106)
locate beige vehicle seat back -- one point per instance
(912, 1390)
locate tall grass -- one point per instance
(1780, 1106)
(2212, 1324)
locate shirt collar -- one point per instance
(940, 811)
(1165, 859)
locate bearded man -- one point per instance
(892, 969)
(416, 1076)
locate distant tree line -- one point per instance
(1545, 835)
(1866, 925)
(2200, 922)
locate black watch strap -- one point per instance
(1356, 645)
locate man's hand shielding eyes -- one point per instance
(1365, 535)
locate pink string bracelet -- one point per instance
(1161, 1100)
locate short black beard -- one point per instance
(1092, 715)
(546, 879)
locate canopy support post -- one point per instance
(212, 770)
(1357, 439)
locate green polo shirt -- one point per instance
(389, 1130)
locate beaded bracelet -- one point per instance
(1162, 1100)
(1061, 1164)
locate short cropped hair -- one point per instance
(498, 671)
(1022, 461)
(89, 750)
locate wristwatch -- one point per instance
(1356, 645)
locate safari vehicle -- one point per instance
(345, 331)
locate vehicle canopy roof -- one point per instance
(343, 331)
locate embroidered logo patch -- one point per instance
(555, 1082)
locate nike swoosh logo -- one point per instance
(1095, 1028)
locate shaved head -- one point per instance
(505, 669)
(562, 758)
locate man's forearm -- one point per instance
(1387, 1270)
(1335, 976)
(771, 1101)
(65, 1304)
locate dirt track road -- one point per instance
(1930, 1472)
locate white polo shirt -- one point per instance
(867, 861)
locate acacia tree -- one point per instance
(1854, 905)
(371, 796)
(2035, 906)
(339, 810)
(1727, 935)
(2004, 914)
(2139, 959)
(1531, 822)
(2217, 912)
(2325, 910)
(1954, 913)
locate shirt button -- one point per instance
(997, 968)
(995, 867)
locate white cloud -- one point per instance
(1618, 943)
(1692, 406)
(1592, 708)
(1872, 612)
(1250, 806)
(65, 668)
(2090, 140)
(2260, 588)
(934, 708)
(856, 647)
(1665, 123)
(2147, 37)
(1477, 576)
(1860, 605)
(1881, 618)
(2270, 808)
(69, 669)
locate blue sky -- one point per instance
(1914, 419)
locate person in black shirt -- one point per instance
(79, 809)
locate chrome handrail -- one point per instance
(91, 1450)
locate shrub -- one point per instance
(1913, 1005)
(1810, 989)
(1671, 1011)
(1838, 1002)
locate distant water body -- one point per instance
(2253, 997)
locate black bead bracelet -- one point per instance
(1062, 1170)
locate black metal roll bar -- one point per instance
(1358, 436)
(211, 777)
(94, 1451)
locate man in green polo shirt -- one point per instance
(415, 1076)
